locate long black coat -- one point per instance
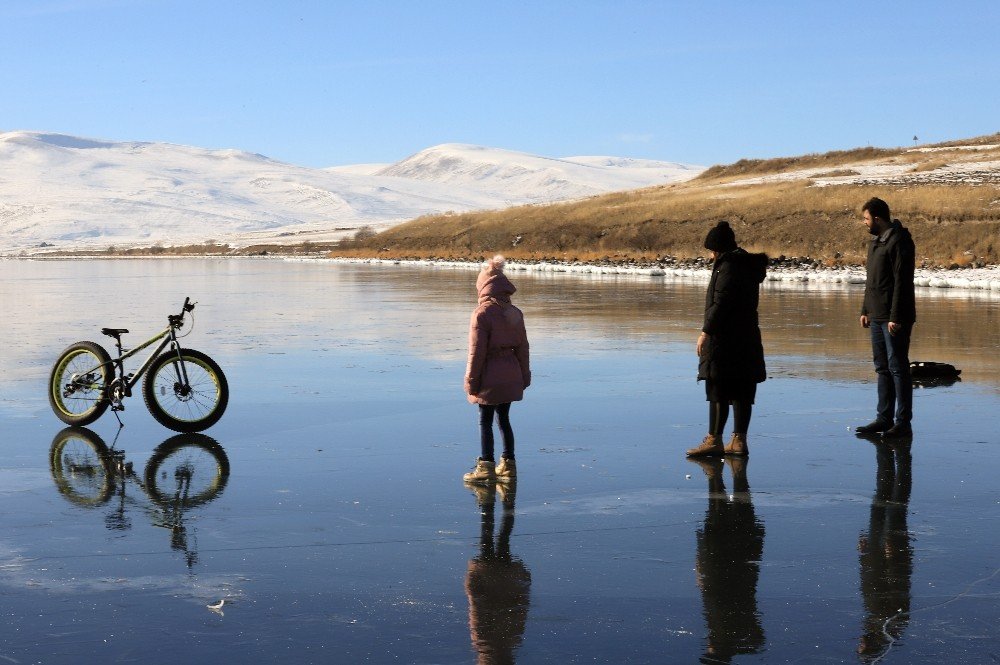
(733, 355)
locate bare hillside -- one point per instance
(948, 194)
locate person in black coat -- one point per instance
(889, 311)
(730, 352)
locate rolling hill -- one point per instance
(60, 192)
(948, 194)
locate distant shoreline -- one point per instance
(985, 279)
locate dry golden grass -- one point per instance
(790, 218)
(951, 223)
(988, 139)
(747, 167)
(837, 173)
(932, 165)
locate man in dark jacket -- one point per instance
(889, 311)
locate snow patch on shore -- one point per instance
(972, 279)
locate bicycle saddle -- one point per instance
(114, 332)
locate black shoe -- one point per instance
(898, 431)
(874, 427)
(871, 437)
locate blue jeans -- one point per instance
(891, 354)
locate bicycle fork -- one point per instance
(182, 387)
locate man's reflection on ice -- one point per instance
(497, 584)
(885, 552)
(730, 546)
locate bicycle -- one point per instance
(185, 471)
(184, 390)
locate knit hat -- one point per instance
(492, 283)
(721, 238)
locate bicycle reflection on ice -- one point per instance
(185, 471)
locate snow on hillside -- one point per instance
(71, 192)
(668, 170)
(961, 164)
(358, 169)
(522, 176)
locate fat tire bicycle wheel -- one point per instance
(76, 398)
(191, 408)
(187, 470)
(80, 464)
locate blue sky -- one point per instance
(325, 83)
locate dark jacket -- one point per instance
(889, 284)
(733, 352)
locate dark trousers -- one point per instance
(502, 412)
(891, 354)
(718, 414)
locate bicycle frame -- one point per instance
(169, 337)
(128, 381)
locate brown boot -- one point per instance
(737, 446)
(506, 471)
(484, 473)
(712, 466)
(710, 446)
(741, 488)
(485, 494)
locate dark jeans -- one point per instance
(891, 354)
(502, 411)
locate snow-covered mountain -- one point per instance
(72, 192)
(522, 177)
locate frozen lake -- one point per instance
(331, 517)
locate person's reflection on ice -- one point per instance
(885, 553)
(730, 546)
(497, 584)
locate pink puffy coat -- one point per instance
(498, 370)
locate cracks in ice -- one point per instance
(885, 625)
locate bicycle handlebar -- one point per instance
(177, 320)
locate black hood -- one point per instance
(754, 266)
(899, 233)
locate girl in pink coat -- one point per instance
(498, 370)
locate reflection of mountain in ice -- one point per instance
(75, 192)
(19, 571)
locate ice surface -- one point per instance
(344, 533)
